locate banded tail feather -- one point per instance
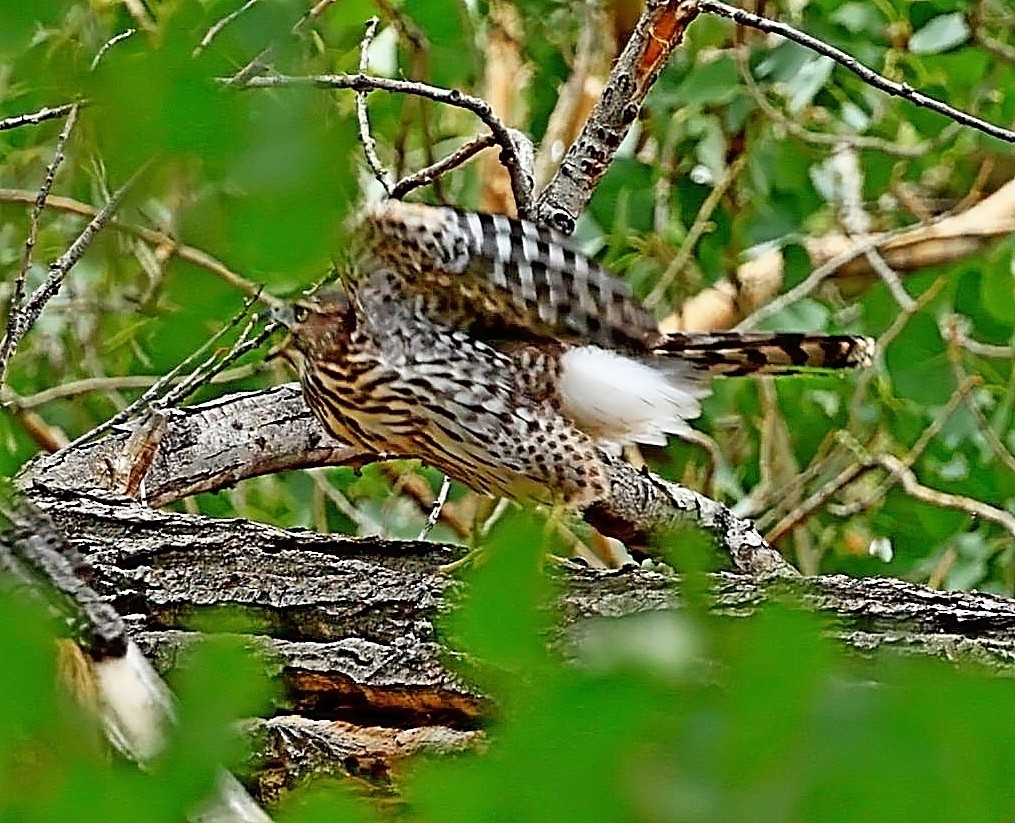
(741, 353)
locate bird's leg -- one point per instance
(435, 512)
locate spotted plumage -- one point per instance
(382, 376)
(493, 350)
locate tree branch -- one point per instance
(36, 117)
(515, 151)
(869, 76)
(659, 31)
(217, 444)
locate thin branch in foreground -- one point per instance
(15, 308)
(157, 392)
(110, 384)
(366, 137)
(217, 363)
(62, 265)
(153, 237)
(427, 175)
(36, 117)
(869, 76)
(215, 28)
(112, 41)
(438, 506)
(58, 270)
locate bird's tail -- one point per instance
(739, 353)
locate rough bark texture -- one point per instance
(348, 625)
(217, 444)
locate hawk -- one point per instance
(493, 350)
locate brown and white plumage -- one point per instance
(493, 350)
(382, 376)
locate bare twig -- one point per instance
(217, 363)
(29, 313)
(957, 328)
(890, 278)
(15, 308)
(814, 502)
(982, 423)
(893, 331)
(512, 145)
(915, 488)
(701, 222)
(213, 31)
(111, 384)
(365, 524)
(112, 41)
(813, 280)
(365, 136)
(435, 512)
(845, 165)
(426, 176)
(63, 264)
(869, 76)
(981, 36)
(157, 393)
(153, 236)
(918, 448)
(36, 117)
(262, 59)
(857, 141)
(506, 78)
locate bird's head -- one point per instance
(320, 323)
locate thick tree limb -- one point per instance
(214, 445)
(348, 625)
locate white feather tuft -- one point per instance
(137, 705)
(619, 400)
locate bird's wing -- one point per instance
(499, 277)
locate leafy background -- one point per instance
(779, 724)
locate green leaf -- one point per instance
(812, 78)
(713, 83)
(918, 362)
(944, 32)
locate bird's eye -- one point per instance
(300, 313)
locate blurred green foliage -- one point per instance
(54, 762)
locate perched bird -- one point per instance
(494, 351)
